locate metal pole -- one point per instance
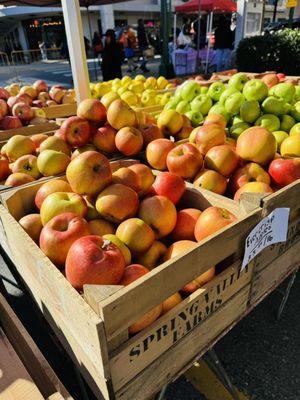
(208, 47)
(174, 31)
(90, 29)
(198, 37)
(291, 16)
(275, 10)
(165, 67)
(262, 23)
(74, 32)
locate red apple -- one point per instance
(104, 139)
(284, 171)
(38, 103)
(185, 160)
(251, 172)
(185, 225)
(60, 233)
(253, 187)
(23, 111)
(76, 131)
(4, 168)
(32, 225)
(40, 86)
(18, 179)
(56, 94)
(169, 185)
(10, 122)
(20, 98)
(92, 260)
(3, 108)
(150, 132)
(53, 186)
(157, 151)
(4, 94)
(44, 97)
(92, 110)
(212, 220)
(89, 173)
(29, 90)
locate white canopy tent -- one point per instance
(74, 32)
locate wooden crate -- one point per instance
(25, 373)
(60, 111)
(28, 130)
(93, 329)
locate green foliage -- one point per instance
(279, 52)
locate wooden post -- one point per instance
(74, 32)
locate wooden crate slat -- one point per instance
(28, 130)
(178, 358)
(60, 111)
(157, 285)
(41, 372)
(15, 381)
(145, 347)
(74, 322)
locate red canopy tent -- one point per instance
(207, 5)
(211, 7)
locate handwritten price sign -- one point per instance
(272, 229)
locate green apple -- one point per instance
(286, 123)
(173, 103)
(218, 109)
(297, 93)
(284, 90)
(238, 128)
(234, 102)
(195, 117)
(215, 90)
(237, 119)
(250, 111)
(190, 90)
(268, 121)
(295, 130)
(202, 103)
(295, 111)
(183, 106)
(238, 81)
(280, 136)
(255, 89)
(273, 105)
(204, 89)
(227, 92)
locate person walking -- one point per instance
(129, 45)
(143, 44)
(97, 45)
(223, 44)
(112, 57)
(43, 50)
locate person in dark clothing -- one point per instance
(202, 33)
(112, 57)
(223, 44)
(143, 43)
(97, 45)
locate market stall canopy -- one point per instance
(207, 5)
(55, 3)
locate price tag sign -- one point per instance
(272, 229)
(291, 3)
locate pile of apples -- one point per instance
(243, 102)
(110, 228)
(119, 129)
(21, 106)
(225, 166)
(137, 92)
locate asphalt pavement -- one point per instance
(59, 72)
